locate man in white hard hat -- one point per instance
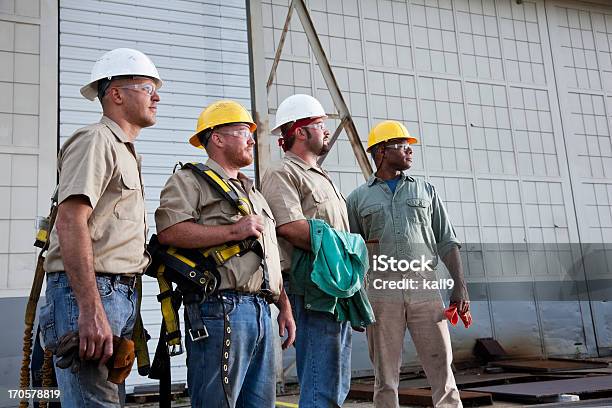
(297, 189)
(100, 228)
(403, 218)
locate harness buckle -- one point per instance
(198, 334)
(175, 349)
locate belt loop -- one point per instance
(113, 281)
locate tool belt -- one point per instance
(196, 276)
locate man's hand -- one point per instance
(459, 297)
(95, 335)
(285, 319)
(463, 305)
(248, 226)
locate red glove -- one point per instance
(453, 316)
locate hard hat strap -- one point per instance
(298, 124)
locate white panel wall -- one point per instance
(200, 49)
(582, 45)
(27, 157)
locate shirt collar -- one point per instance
(373, 179)
(299, 161)
(116, 129)
(246, 182)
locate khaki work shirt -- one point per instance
(188, 197)
(407, 224)
(297, 191)
(100, 163)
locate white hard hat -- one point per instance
(295, 107)
(118, 62)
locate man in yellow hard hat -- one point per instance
(407, 229)
(233, 365)
(97, 246)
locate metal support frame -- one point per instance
(259, 95)
(257, 58)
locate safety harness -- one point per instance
(196, 276)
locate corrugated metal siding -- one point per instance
(200, 49)
(516, 142)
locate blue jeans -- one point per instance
(252, 379)
(88, 387)
(323, 354)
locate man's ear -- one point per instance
(113, 94)
(301, 132)
(215, 139)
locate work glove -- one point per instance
(453, 316)
(120, 364)
(67, 351)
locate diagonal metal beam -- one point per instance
(332, 86)
(279, 49)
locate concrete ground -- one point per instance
(291, 402)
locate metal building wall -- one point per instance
(200, 49)
(28, 82)
(516, 142)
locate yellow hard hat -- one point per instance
(221, 113)
(387, 130)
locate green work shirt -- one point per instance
(408, 224)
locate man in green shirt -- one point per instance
(407, 229)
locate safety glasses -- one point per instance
(321, 126)
(399, 146)
(243, 133)
(148, 88)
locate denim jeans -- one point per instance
(88, 387)
(323, 354)
(252, 379)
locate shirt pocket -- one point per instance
(269, 220)
(322, 202)
(373, 221)
(418, 210)
(130, 206)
